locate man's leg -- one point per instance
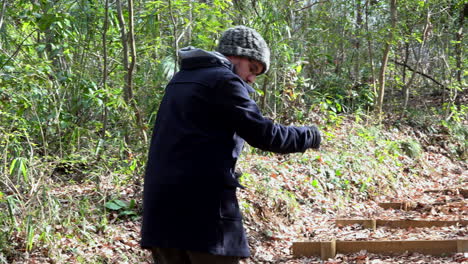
(170, 256)
(206, 258)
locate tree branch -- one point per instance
(17, 49)
(418, 72)
(309, 6)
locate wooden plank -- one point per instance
(388, 247)
(407, 206)
(306, 249)
(443, 191)
(462, 245)
(366, 223)
(429, 247)
(327, 249)
(398, 206)
(419, 223)
(462, 191)
(447, 203)
(324, 249)
(373, 223)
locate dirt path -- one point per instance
(318, 222)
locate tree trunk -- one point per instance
(2, 14)
(356, 76)
(131, 40)
(129, 65)
(386, 53)
(370, 48)
(426, 31)
(264, 97)
(176, 42)
(188, 32)
(407, 46)
(124, 40)
(357, 45)
(131, 70)
(104, 65)
(459, 48)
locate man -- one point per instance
(191, 213)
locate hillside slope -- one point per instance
(90, 213)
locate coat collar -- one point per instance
(204, 62)
(193, 58)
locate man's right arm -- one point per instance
(244, 116)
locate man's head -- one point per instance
(246, 48)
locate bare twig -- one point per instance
(418, 72)
(17, 49)
(309, 6)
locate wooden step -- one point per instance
(462, 191)
(407, 206)
(328, 249)
(407, 223)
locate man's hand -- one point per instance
(316, 138)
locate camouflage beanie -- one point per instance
(246, 42)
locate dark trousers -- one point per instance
(177, 256)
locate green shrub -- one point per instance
(411, 148)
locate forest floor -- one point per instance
(288, 198)
(317, 223)
(272, 229)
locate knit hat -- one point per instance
(246, 42)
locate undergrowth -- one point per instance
(86, 208)
(358, 160)
(355, 162)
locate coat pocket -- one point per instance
(229, 206)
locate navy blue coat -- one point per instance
(190, 185)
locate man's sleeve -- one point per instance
(244, 116)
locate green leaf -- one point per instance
(113, 206)
(299, 68)
(24, 170)
(128, 212)
(259, 92)
(45, 21)
(9, 68)
(12, 166)
(40, 48)
(120, 203)
(338, 172)
(315, 183)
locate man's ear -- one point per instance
(233, 59)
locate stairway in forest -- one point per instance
(454, 201)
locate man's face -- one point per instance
(247, 69)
